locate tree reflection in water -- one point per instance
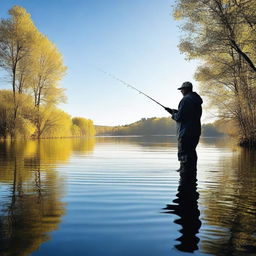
(186, 207)
(230, 209)
(31, 205)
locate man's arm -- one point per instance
(182, 113)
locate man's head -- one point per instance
(186, 87)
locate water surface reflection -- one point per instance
(31, 191)
(229, 208)
(186, 207)
(108, 196)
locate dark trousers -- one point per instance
(187, 153)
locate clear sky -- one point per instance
(136, 40)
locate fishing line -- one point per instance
(129, 86)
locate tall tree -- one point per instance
(46, 71)
(16, 37)
(222, 34)
(34, 64)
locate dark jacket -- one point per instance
(188, 116)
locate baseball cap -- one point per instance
(186, 85)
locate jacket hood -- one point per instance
(193, 96)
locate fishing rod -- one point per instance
(131, 86)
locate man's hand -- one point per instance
(169, 110)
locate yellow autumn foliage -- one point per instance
(35, 67)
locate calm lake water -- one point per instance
(117, 196)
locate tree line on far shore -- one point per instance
(33, 67)
(157, 126)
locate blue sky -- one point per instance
(136, 40)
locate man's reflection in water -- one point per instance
(186, 207)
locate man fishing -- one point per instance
(188, 121)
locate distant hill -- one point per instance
(145, 126)
(152, 126)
